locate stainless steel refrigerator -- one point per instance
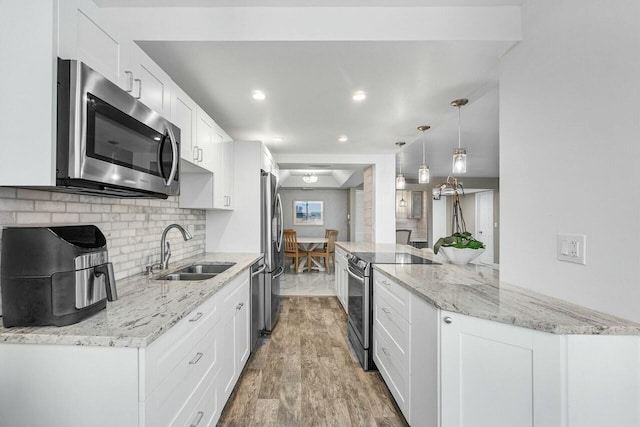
(272, 231)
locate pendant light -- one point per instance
(459, 154)
(400, 181)
(423, 171)
(402, 203)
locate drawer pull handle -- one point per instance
(196, 359)
(196, 317)
(448, 320)
(385, 351)
(386, 310)
(240, 306)
(197, 420)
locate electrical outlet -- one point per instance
(572, 248)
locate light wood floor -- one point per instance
(305, 375)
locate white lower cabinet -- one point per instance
(482, 373)
(184, 378)
(342, 278)
(451, 370)
(487, 372)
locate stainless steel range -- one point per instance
(360, 298)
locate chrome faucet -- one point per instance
(165, 247)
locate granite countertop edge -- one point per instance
(122, 325)
(476, 291)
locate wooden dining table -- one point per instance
(308, 244)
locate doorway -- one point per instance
(484, 225)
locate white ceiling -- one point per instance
(302, 3)
(412, 58)
(309, 86)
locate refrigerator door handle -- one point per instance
(279, 213)
(279, 273)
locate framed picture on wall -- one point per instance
(306, 212)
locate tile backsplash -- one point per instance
(133, 227)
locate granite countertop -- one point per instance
(145, 309)
(477, 291)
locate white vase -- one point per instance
(460, 256)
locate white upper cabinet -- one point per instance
(213, 188)
(151, 85)
(87, 38)
(206, 138)
(224, 170)
(183, 115)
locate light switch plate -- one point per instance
(572, 248)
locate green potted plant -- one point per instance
(459, 248)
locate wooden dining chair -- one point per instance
(291, 248)
(403, 236)
(328, 251)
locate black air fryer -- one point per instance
(54, 275)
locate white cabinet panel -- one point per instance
(28, 74)
(603, 381)
(235, 335)
(342, 278)
(151, 85)
(65, 385)
(97, 48)
(487, 375)
(205, 134)
(183, 115)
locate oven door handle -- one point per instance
(354, 275)
(175, 159)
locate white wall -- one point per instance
(384, 184)
(334, 215)
(570, 150)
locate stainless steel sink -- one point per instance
(208, 268)
(187, 276)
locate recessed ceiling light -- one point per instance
(359, 96)
(258, 95)
(343, 138)
(277, 139)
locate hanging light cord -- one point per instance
(423, 155)
(459, 127)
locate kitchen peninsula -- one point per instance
(453, 342)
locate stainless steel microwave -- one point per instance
(108, 142)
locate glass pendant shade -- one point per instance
(403, 202)
(400, 182)
(459, 160)
(459, 164)
(423, 174)
(423, 170)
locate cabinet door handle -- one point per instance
(385, 351)
(196, 359)
(386, 283)
(196, 317)
(448, 320)
(196, 153)
(200, 154)
(240, 306)
(139, 88)
(197, 420)
(130, 85)
(386, 310)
